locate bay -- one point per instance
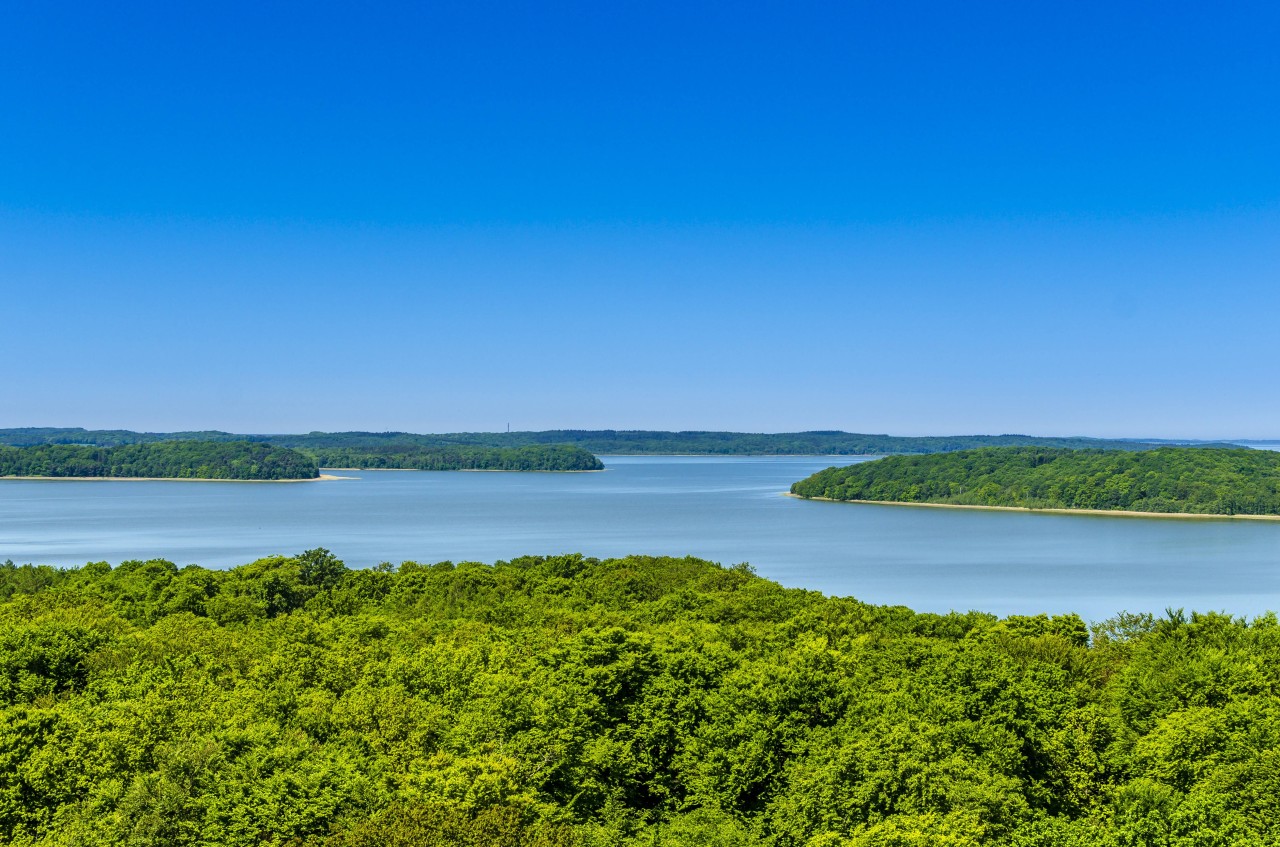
(727, 509)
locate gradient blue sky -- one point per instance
(892, 217)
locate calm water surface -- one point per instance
(728, 510)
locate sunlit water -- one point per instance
(728, 510)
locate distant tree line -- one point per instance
(784, 443)
(566, 701)
(1197, 480)
(532, 458)
(166, 459)
(635, 442)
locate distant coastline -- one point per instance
(326, 446)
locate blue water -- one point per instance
(725, 509)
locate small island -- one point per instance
(1201, 481)
(557, 457)
(214, 460)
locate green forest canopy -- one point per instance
(641, 701)
(238, 460)
(1195, 480)
(595, 441)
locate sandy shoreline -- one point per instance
(1097, 513)
(323, 476)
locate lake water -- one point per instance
(728, 510)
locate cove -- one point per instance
(726, 509)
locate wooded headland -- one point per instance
(227, 460)
(257, 460)
(1187, 480)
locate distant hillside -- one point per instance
(236, 460)
(1193, 480)
(633, 442)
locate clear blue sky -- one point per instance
(888, 217)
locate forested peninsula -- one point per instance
(227, 460)
(258, 460)
(1169, 480)
(607, 442)
(572, 702)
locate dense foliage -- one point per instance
(595, 441)
(641, 701)
(533, 458)
(1198, 480)
(171, 459)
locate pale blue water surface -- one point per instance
(728, 510)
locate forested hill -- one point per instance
(570, 702)
(531, 458)
(594, 441)
(237, 460)
(1194, 480)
